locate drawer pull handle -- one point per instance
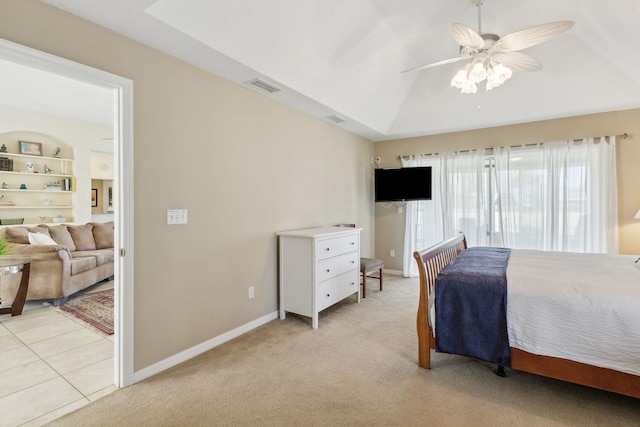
(328, 295)
(353, 243)
(328, 270)
(328, 249)
(353, 262)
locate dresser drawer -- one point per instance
(337, 288)
(327, 248)
(335, 266)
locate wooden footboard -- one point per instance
(432, 260)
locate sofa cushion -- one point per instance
(82, 264)
(61, 235)
(103, 234)
(102, 256)
(82, 236)
(41, 239)
(21, 234)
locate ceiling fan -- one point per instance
(492, 57)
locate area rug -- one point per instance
(95, 308)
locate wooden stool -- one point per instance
(368, 265)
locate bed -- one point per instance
(538, 322)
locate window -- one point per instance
(558, 196)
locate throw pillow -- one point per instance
(21, 234)
(103, 234)
(40, 239)
(82, 236)
(61, 235)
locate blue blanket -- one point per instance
(471, 302)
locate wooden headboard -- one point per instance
(430, 262)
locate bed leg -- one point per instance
(501, 372)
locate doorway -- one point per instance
(122, 90)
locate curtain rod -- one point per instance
(533, 144)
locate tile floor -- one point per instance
(50, 364)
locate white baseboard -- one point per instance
(194, 351)
(395, 272)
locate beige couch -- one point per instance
(81, 256)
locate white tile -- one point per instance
(22, 323)
(80, 357)
(64, 342)
(25, 376)
(9, 342)
(92, 378)
(54, 415)
(28, 318)
(36, 401)
(46, 330)
(102, 393)
(4, 331)
(9, 359)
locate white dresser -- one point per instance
(318, 267)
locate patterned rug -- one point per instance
(95, 308)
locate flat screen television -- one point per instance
(402, 184)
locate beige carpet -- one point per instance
(358, 369)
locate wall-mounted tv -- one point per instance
(403, 184)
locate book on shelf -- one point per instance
(69, 184)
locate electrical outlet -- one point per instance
(251, 292)
(392, 253)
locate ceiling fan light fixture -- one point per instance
(464, 82)
(468, 78)
(497, 74)
(489, 53)
(459, 79)
(478, 72)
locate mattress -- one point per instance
(581, 307)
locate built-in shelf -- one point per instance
(38, 207)
(33, 191)
(53, 175)
(36, 199)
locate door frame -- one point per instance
(123, 200)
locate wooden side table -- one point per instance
(13, 266)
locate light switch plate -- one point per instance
(177, 216)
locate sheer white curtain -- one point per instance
(554, 196)
(464, 196)
(458, 204)
(558, 196)
(423, 219)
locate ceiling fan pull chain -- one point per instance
(479, 6)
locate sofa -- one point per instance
(65, 258)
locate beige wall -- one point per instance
(243, 165)
(390, 224)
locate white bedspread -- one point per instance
(581, 307)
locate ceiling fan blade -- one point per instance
(466, 37)
(517, 61)
(531, 36)
(435, 64)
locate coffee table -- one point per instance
(11, 265)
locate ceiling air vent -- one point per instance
(335, 119)
(263, 86)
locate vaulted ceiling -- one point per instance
(344, 58)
